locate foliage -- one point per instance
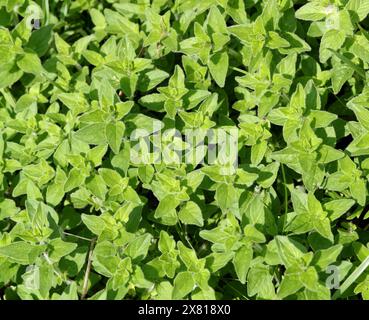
(80, 219)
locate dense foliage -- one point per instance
(80, 219)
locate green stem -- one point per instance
(285, 190)
(65, 8)
(285, 195)
(352, 278)
(235, 289)
(74, 235)
(46, 11)
(239, 70)
(182, 235)
(88, 269)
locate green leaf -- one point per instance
(360, 7)
(289, 251)
(227, 199)
(183, 285)
(30, 63)
(332, 39)
(22, 252)
(92, 134)
(55, 193)
(218, 67)
(114, 135)
(94, 223)
(190, 213)
(241, 262)
(313, 11)
(290, 284)
(138, 248)
(60, 248)
(259, 282)
(166, 210)
(323, 258)
(151, 79)
(40, 40)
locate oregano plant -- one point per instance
(184, 149)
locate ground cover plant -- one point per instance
(84, 87)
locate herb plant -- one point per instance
(86, 85)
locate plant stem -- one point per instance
(74, 235)
(235, 289)
(88, 269)
(239, 70)
(352, 278)
(46, 11)
(285, 197)
(183, 236)
(285, 190)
